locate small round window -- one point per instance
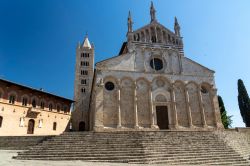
(156, 64)
(109, 86)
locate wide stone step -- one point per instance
(128, 159)
(148, 156)
(56, 146)
(236, 163)
(191, 160)
(159, 153)
(135, 138)
(134, 141)
(203, 160)
(131, 143)
(168, 149)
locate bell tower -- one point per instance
(84, 71)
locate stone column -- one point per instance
(180, 63)
(98, 113)
(119, 125)
(151, 106)
(161, 36)
(174, 108)
(156, 37)
(150, 35)
(135, 107)
(188, 108)
(164, 41)
(203, 118)
(145, 36)
(171, 63)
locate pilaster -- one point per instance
(174, 108)
(156, 36)
(202, 108)
(98, 114)
(152, 112)
(215, 106)
(119, 125)
(188, 109)
(135, 107)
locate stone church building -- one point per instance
(150, 85)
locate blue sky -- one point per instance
(38, 38)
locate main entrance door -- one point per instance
(31, 126)
(82, 126)
(162, 116)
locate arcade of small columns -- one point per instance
(156, 34)
(171, 104)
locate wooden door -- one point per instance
(31, 125)
(162, 116)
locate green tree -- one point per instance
(244, 103)
(226, 120)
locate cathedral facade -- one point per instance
(150, 85)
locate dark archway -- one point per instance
(82, 126)
(54, 125)
(31, 126)
(1, 121)
(162, 116)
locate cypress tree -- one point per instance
(226, 120)
(244, 103)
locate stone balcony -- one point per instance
(33, 112)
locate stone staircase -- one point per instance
(163, 147)
(20, 142)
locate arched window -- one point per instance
(83, 90)
(50, 107)
(40, 123)
(84, 72)
(58, 108)
(42, 105)
(12, 99)
(25, 101)
(169, 38)
(21, 122)
(153, 39)
(34, 103)
(84, 81)
(65, 109)
(138, 37)
(1, 121)
(54, 126)
(204, 90)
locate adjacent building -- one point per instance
(28, 111)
